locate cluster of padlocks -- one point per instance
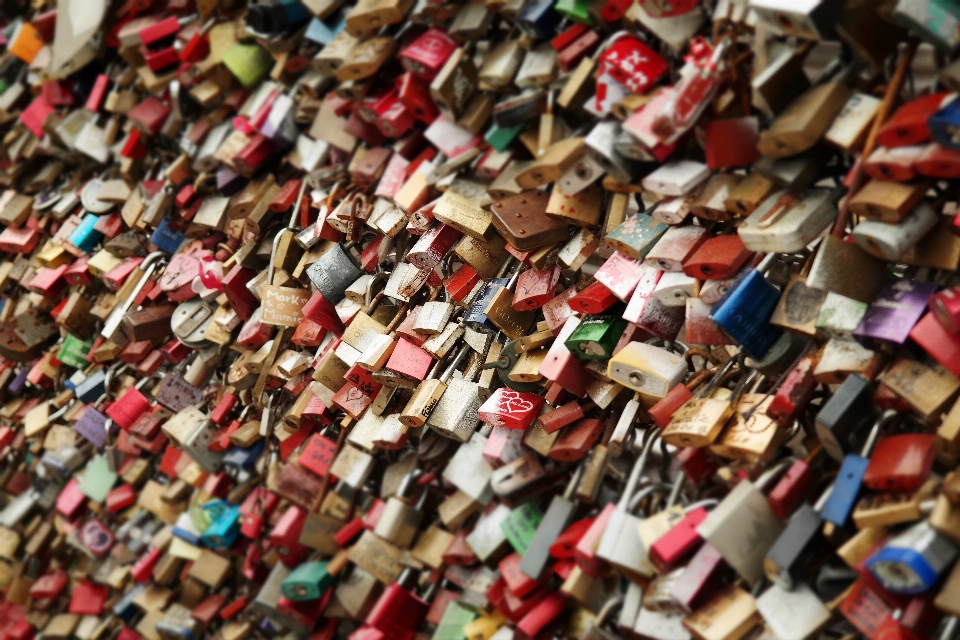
(479, 319)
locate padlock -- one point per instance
(846, 489)
(650, 370)
(744, 310)
(785, 224)
(913, 560)
(619, 544)
(891, 241)
(805, 121)
(743, 510)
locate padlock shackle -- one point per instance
(766, 263)
(608, 608)
(266, 417)
(148, 266)
(822, 500)
(676, 489)
(638, 466)
(951, 629)
(574, 482)
(885, 418)
(779, 383)
(714, 382)
(709, 503)
(768, 476)
(456, 361)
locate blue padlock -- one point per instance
(223, 531)
(538, 19)
(244, 458)
(84, 237)
(322, 32)
(944, 126)
(744, 311)
(166, 238)
(186, 529)
(93, 387)
(475, 318)
(912, 561)
(849, 482)
(124, 607)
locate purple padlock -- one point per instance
(92, 425)
(892, 314)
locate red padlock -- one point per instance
(433, 245)
(538, 619)
(697, 464)
(898, 164)
(519, 583)
(461, 282)
(511, 409)
(409, 360)
(286, 197)
(940, 344)
(149, 115)
(567, 36)
(939, 162)
(633, 64)
(536, 288)
(662, 411)
(19, 240)
(908, 125)
(946, 306)
(48, 282)
(241, 300)
(398, 613)
(900, 463)
(563, 415)
(318, 455)
(790, 489)
(717, 258)
(595, 298)
(700, 579)
(576, 440)
(97, 93)
(585, 551)
(142, 569)
(128, 408)
(253, 155)
(732, 142)
(563, 548)
(223, 408)
(50, 585)
(120, 498)
(426, 55)
(285, 536)
(675, 546)
(459, 552)
(414, 93)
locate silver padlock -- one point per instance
(333, 273)
(599, 145)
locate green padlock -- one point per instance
(596, 337)
(575, 10)
(500, 137)
(309, 581)
(636, 236)
(455, 618)
(249, 62)
(73, 352)
(521, 525)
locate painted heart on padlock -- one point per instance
(512, 402)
